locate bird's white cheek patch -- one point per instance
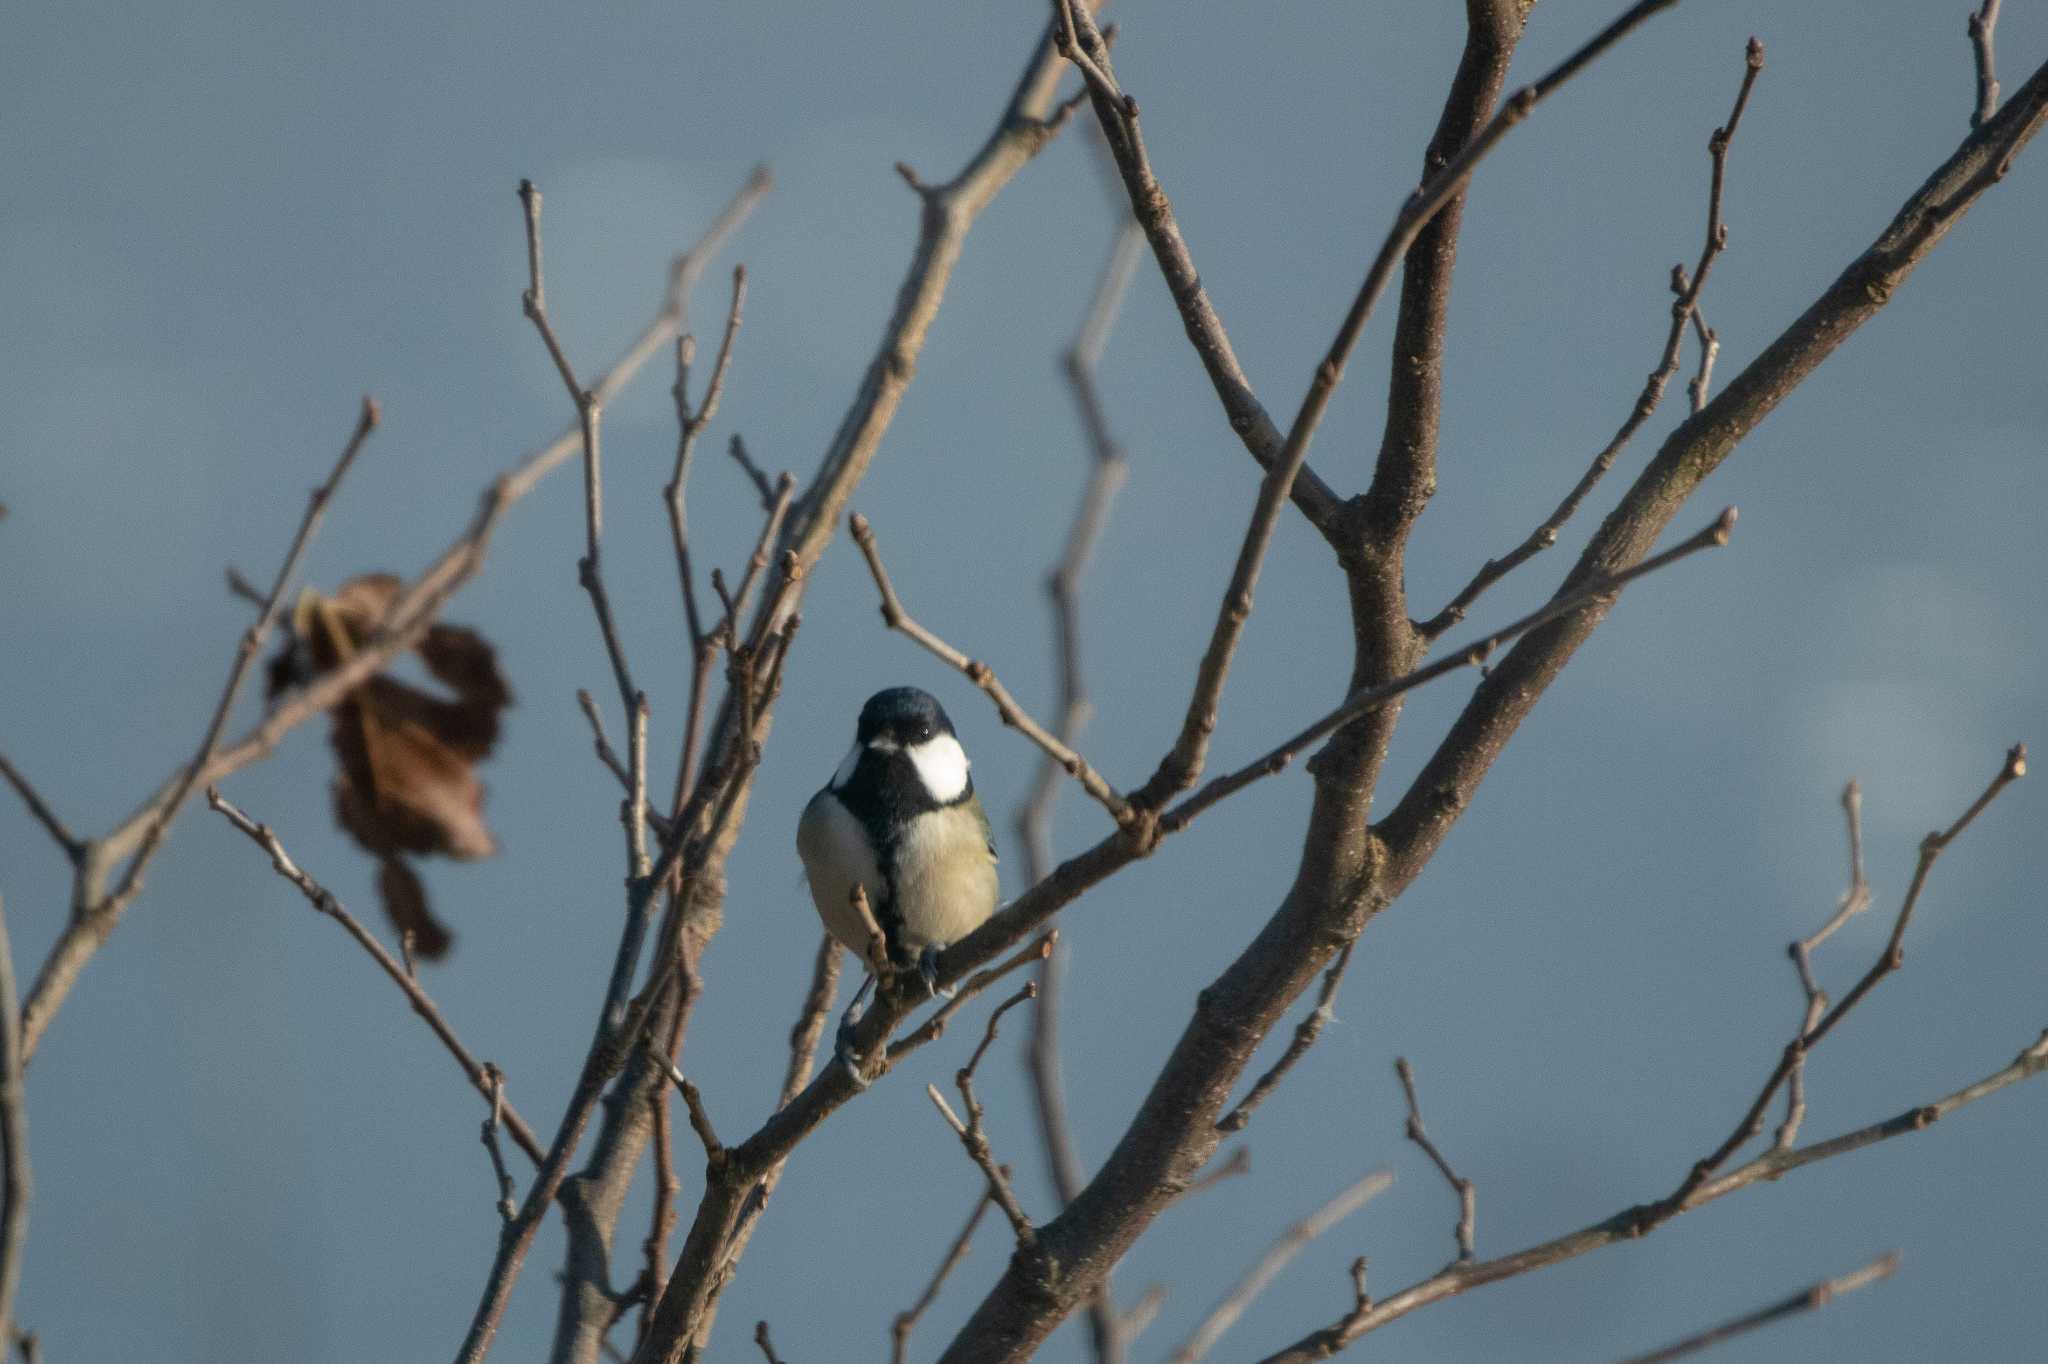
(942, 767)
(846, 768)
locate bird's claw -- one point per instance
(928, 972)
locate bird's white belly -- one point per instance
(945, 879)
(836, 857)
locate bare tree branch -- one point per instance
(973, 1136)
(94, 911)
(1684, 308)
(16, 1186)
(1305, 1034)
(322, 899)
(767, 1346)
(1027, 124)
(906, 1320)
(1467, 1192)
(489, 1136)
(1808, 1299)
(1417, 824)
(1854, 901)
(1888, 961)
(982, 676)
(45, 815)
(1983, 31)
(1082, 44)
(1033, 821)
(1404, 475)
(1291, 1243)
(1631, 1223)
(1583, 597)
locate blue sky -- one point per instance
(225, 222)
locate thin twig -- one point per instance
(1467, 1192)
(1472, 655)
(323, 900)
(72, 844)
(767, 1346)
(737, 448)
(16, 1186)
(1808, 1299)
(1268, 1266)
(982, 676)
(1983, 31)
(1888, 961)
(1854, 901)
(94, 912)
(1686, 295)
(1038, 949)
(246, 654)
(1081, 43)
(489, 1136)
(607, 755)
(906, 1320)
(1305, 1034)
(1634, 1222)
(971, 1132)
(1131, 1324)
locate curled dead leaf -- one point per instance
(406, 782)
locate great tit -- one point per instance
(900, 818)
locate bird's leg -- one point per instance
(928, 972)
(842, 1047)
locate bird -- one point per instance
(900, 819)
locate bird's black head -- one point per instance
(908, 715)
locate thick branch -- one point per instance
(1417, 825)
(1405, 474)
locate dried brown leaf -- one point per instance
(406, 782)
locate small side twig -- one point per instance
(1467, 1192)
(251, 645)
(984, 677)
(1983, 27)
(1038, 949)
(737, 448)
(1685, 303)
(971, 1132)
(1305, 1034)
(1713, 536)
(507, 1208)
(1854, 901)
(45, 815)
(324, 901)
(16, 1187)
(1889, 960)
(609, 756)
(1268, 1266)
(767, 1346)
(906, 1320)
(1808, 1299)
